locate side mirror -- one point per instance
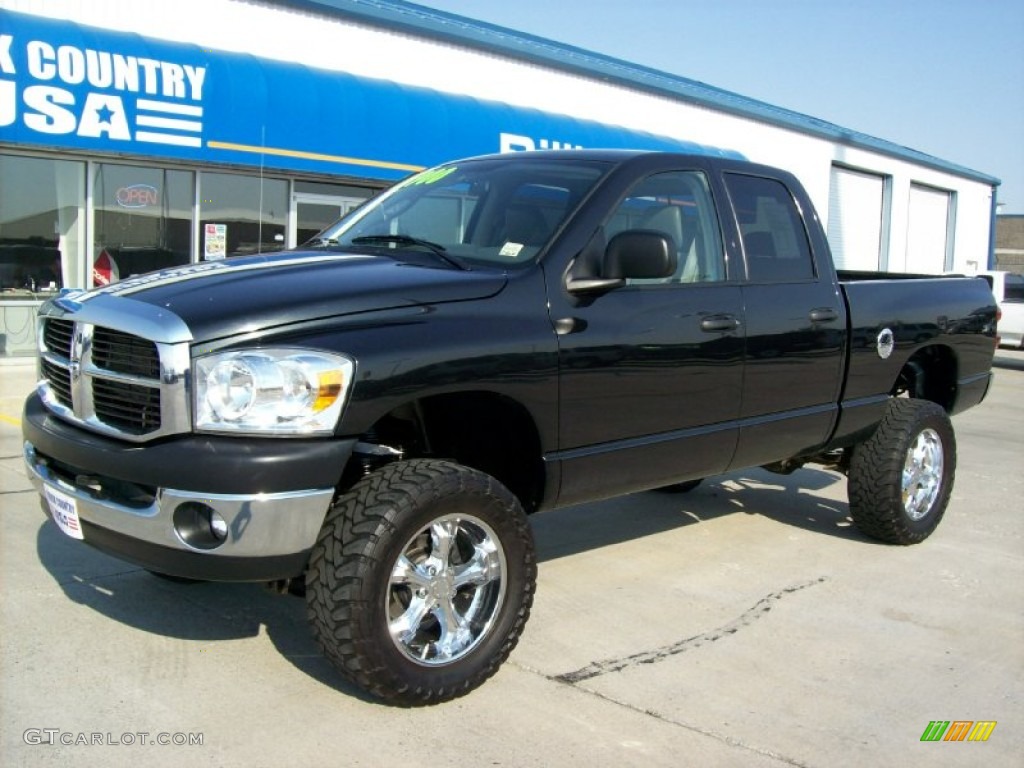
(640, 254)
(636, 254)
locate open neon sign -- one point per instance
(138, 196)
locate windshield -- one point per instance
(499, 211)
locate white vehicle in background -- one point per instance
(1008, 289)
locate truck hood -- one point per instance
(217, 299)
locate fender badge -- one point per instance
(885, 343)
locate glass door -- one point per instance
(314, 213)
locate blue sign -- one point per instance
(68, 86)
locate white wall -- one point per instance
(277, 33)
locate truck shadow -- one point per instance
(204, 614)
(1009, 361)
(790, 500)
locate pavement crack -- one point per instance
(729, 740)
(648, 712)
(748, 617)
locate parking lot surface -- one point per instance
(745, 623)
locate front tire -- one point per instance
(902, 477)
(421, 581)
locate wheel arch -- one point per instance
(930, 374)
(482, 429)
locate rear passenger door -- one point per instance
(795, 324)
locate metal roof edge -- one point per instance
(423, 21)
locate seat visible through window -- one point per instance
(525, 225)
(678, 205)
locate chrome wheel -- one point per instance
(902, 476)
(445, 590)
(421, 580)
(922, 474)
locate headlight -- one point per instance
(271, 391)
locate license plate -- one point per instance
(64, 510)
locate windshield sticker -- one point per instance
(511, 250)
(430, 177)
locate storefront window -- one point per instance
(143, 220)
(41, 246)
(241, 215)
(40, 225)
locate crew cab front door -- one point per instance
(651, 372)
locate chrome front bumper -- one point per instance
(268, 525)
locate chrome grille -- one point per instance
(128, 407)
(58, 336)
(60, 381)
(111, 381)
(123, 353)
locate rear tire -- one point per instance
(901, 478)
(421, 581)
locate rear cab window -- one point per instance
(774, 239)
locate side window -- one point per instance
(677, 204)
(1013, 292)
(774, 239)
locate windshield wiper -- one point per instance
(436, 248)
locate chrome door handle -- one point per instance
(718, 323)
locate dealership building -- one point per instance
(136, 136)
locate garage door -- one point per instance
(928, 230)
(855, 218)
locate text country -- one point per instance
(97, 94)
(103, 69)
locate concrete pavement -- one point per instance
(746, 623)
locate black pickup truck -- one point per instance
(373, 416)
